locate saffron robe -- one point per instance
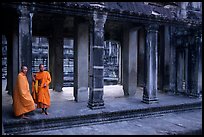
(22, 99)
(35, 91)
(43, 96)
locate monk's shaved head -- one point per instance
(41, 67)
(23, 67)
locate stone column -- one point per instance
(195, 67)
(81, 49)
(172, 61)
(130, 45)
(12, 60)
(141, 54)
(151, 65)
(2, 131)
(119, 65)
(96, 61)
(180, 70)
(181, 60)
(25, 41)
(186, 68)
(121, 60)
(51, 59)
(166, 58)
(56, 55)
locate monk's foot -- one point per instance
(46, 113)
(24, 117)
(43, 111)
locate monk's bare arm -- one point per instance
(48, 78)
(33, 77)
(37, 76)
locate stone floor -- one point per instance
(180, 123)
(63, 104)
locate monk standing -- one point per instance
(22, 99)
(43, 96)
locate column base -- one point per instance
(58, 89)
(150, 100)
(196, 95)
(9, 93)
(81, 94)
(96, 105)
(170, 91)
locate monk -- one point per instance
(22, 99)
(43, 94)
(35, 90)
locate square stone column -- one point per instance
(96, 60)
(2, 130)
(51, 59)
(25, 41)
(195, 65)
(130, 47)
(151, 65)
(81, 52)
(172, 61)
(120, 65)
(180, 58)
(56, 56)
(141, 55)
(167, 55)
(12, 59)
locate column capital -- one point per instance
(23, 11)
(98, 5)
(97, 21)
(99, 18)
(173, 30)
(198, 38)
(198, 33)
(152, 27)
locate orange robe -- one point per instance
(43, 98)
(35, 91)
(22, 99)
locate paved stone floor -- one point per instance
(63, 105)
(167, 124)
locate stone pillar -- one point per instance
(12, 60)
(96, 61)
(119, 65)
(56, 55)
(141, 54)
(151, 65)
(2, 131)
(186, 68)
(81, 49)
(51, 59)
(172, 61)
(166, 58)
(160, 58)
(130, 45)
(180, 70)
(25, 41)
(181, 61)
(195, 67)
(121, 60)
